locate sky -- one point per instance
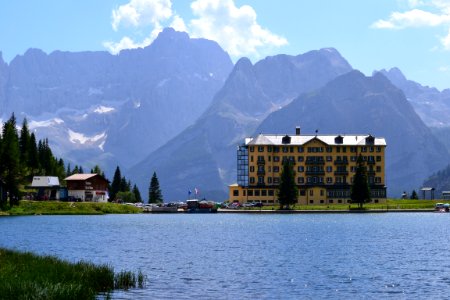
(413, 35)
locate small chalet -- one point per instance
(47, 187)
(87, 187)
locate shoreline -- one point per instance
(324, 211)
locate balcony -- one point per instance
(315, 162)
(341, 162)
(340, 173)
(261, 172)
(261, 162)
(315, 172)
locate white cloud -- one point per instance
(412, 18)
(446, 41)
(138, 13)
(235, 29)
(434, 13)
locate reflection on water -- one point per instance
(227, 256)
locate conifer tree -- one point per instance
(154, 195)
(360, 189)
(9, 160)
(33, 159)
(414, 195)
(115, 185)
(25, 146)
(137, 194)
(287, 190)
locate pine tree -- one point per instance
(360, 188)
(154, 195)
(137, 194)
(115, 185)
(25, 147)
(10, 160)
(33, 159)
(414, 195)
(287, 190)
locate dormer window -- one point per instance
(370, 140)
(286, 139)
(339, 139)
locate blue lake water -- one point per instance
(245, 256)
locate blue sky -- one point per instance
(372, 34)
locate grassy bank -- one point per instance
(26, 207)
(391, 204)
(29, 276)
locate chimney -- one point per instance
(297, 130)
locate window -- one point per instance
(344, 149)
(378, 149)
(322, 201)
(301, 180)
(269, 179)
(276, 158)
(353, 158)
(364, 149)
(257, 192)
(270, 192)
(276, 180)
(285, 149)
(321, 192)
(263, 192)
(311, 201)
(378, 169)
(236, 193)
(300, 158)
(276, 169)
(260, 179)
(252, 168)
(329, 169)
(269, 149)
(378, 158)
(276, 149)
(252, 179)
(353, 149)
(371, 148)
(329, 158)
(302, 193)
(301, 168)
(329, 149)
(252, 149)
(260, 148)
(251, 158)
(331, 201)
(300, 149)
(250, 192)
(311, 192)
(329, 180)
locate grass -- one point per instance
(27, 207)
(28, 276)
(391, 204)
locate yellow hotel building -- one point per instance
(324, 167)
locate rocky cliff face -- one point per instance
(432, 105)
(116, 108)
(204, 155)
(355, 104)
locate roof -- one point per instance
(298, 140)
(45, 181)
(80, 176)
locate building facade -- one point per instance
(324, 167)
(87, 187)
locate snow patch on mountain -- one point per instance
(79, 138)
(104, 109)
(45, 123)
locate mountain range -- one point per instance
(179, 107)
(98, 108)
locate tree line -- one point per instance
(22, 157)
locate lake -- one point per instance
(251, 256)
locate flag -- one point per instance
(189, 192)
(196, 191)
